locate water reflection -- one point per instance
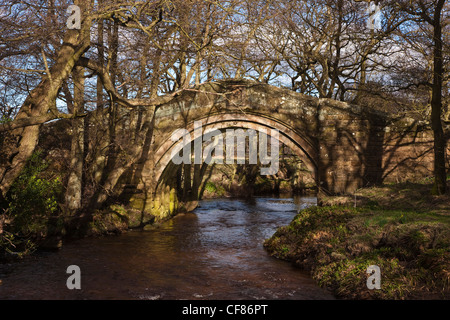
(214, 253)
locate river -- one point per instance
(215, 252)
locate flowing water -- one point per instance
(215, 252)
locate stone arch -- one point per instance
(299, 143)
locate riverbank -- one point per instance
(401, 228)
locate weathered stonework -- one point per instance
(344, 146)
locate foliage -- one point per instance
(32, 201)
(210, 187)
(213, 189)
(5, 119)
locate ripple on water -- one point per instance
(215, 253)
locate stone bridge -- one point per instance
(344, 146)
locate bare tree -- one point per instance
(430, 18)
(139, 55)
(40, 103)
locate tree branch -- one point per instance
(32, 121)
(110, 88)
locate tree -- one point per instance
(40, 104)
(324, 47)
(146, 52)
(431, 18)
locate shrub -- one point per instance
(210, 187)
(31, 201)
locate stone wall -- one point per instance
(408, 151)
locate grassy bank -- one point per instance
(400, 228)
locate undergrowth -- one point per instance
(338, 243)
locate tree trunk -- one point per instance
(101, 57)
(440, 175)
(187, 188)
(99, 137)
(74, 184)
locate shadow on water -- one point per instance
(215, 252)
